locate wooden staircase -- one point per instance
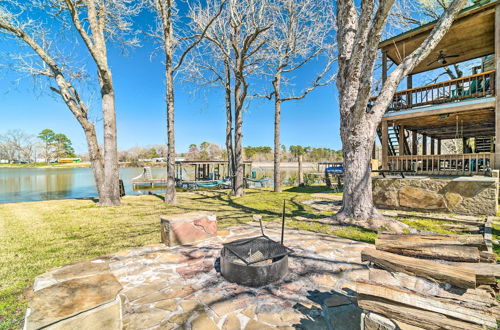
(393, 139)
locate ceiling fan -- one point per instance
(441, 58)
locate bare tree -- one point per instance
(96, 22)
(238, 38)
(358, 36)
(302, 31)
(176, 47)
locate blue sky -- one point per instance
(139, 87)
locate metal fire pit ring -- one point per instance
(253, 275)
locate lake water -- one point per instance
(35, 184)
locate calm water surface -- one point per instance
(36, 184)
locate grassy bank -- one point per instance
(37, 236)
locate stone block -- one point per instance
(186, 228)
(417, 198)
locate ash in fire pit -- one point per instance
(255, 261)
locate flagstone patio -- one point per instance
(157, 287)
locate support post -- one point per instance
(385, 145)
(439, 146)
(433, 143)
(424, 144)
(384, 67)
(497, 87)
(409, 85)
(414, 143)
(401, 141)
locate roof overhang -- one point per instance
(472, 35)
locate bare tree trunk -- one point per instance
(238, 148)
(168, 38)
(170, 194)
(277, 132)
(301, 172)
(110, 192)
(358, 37)
(229, 122)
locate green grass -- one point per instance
(37, 236)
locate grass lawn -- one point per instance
(37, 236)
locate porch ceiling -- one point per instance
(472, 35)
(470, 123)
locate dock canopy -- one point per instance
(471, 36)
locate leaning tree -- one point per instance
(358, 35)
(96, 22)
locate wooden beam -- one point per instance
(473, 312)
(486, 273)
(434, 271)
(453, 108)
(424, 144)
(497, 87)
(414, 143)
(385, 144)
(402, 140)
(384, 67)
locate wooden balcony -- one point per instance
(458, 164)
(469, 87)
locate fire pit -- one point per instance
(255, 261)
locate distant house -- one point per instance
(4, 161)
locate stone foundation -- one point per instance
(187, 228)
(463, 195)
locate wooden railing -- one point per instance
(478, 85)
(443, 164)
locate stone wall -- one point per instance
(463, 195)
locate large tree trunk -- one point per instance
(170, 194)
(229, 122)
(110, 192)
(358, 37)
(238, 147)
(240, 90)
(277, 133)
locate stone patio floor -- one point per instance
(157, 287)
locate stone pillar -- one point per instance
(385, 145)
(497, 87)
(186, 228)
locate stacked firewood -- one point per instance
(432, 281)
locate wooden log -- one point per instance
(488, 233)
(411, 300)
(487, 257)
(486, 273)
(475, 240)
(443, 252)
(454, 275)
(413, 316)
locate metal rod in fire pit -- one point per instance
(283, 222)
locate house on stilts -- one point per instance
(420, 119)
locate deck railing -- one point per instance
(443, 164)
(478, 85)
